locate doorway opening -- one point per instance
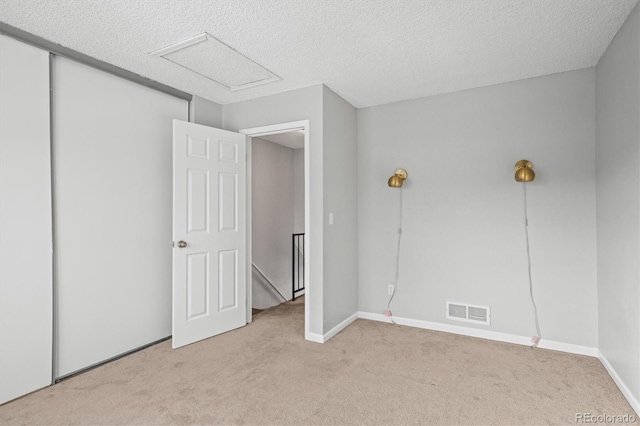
(277, 216)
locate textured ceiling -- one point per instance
(293, 140)
(369, 52)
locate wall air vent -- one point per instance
(468, 313)
(209, 57)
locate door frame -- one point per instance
(265, 131)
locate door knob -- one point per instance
(182, 244)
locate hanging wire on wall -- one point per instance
(524, 174)
(396, 181)
(395, 282)
(536, 338)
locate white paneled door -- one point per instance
(209, 232)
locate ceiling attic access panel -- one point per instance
(209, 57)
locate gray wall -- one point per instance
(341, 199)
(272, 219)
(301, 104)
(332, 180)
(618, 202)
(205, 112)
(298, 190)
(463, 234)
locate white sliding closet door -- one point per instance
(112, 203)
(25, 220)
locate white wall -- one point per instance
(618, 203)
(463, 234)
(26, 274)
(298, 190)
(340, 199)
(300, 104)
(206, 112)
(272, 206)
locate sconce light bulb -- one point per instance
(395, 182)
(525, 175)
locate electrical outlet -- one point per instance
(391, 289)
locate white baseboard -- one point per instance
(633, 401)
(483, 334)
(338, 328)
(318, 338)
(313, 337)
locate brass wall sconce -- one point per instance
(398, 178)
(524, 171)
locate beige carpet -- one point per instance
(370, 373)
